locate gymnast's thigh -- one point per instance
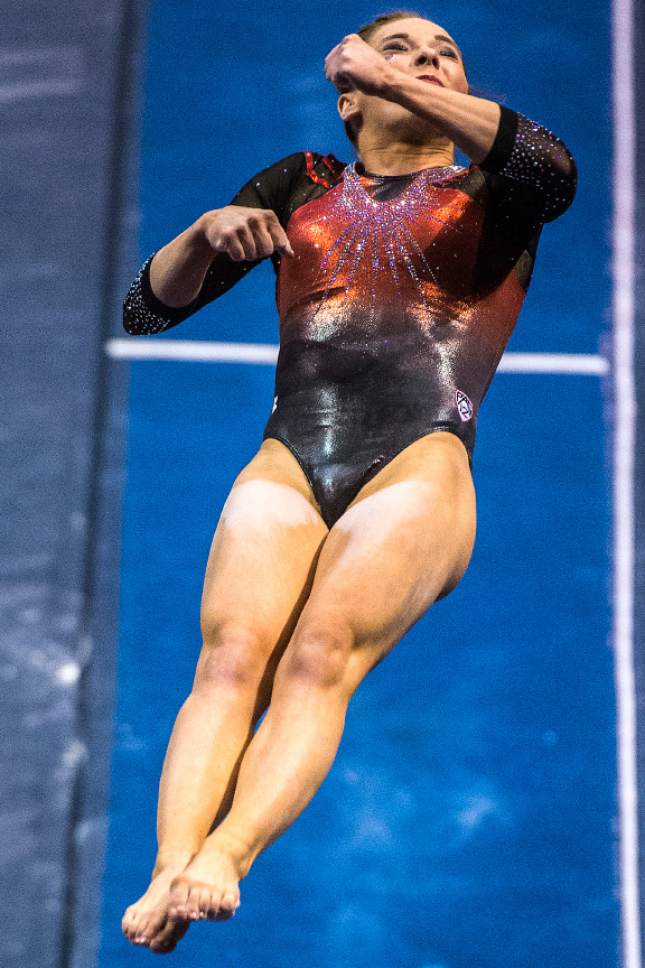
(404, 541)
(264, 550)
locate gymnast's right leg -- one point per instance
(259, 574)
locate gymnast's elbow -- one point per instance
(566, 179)
(131, 320)
(138, 319)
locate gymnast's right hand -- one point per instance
(244, 233)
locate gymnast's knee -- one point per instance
(318, 654)
(232, 655)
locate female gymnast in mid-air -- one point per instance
(400, 277)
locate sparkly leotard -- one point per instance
(402, 295)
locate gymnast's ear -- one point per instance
(347, 106)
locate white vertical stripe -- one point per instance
(624, 123)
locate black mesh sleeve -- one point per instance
(531, 173)
(145, 314)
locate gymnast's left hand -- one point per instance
(354, 64)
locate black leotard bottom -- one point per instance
(342, 437)
(335, 485)
(345, 409)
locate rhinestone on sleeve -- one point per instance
(537, 158)
(139, 317)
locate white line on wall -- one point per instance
(205, 351)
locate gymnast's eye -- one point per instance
(445, 50)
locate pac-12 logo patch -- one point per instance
(464, 405)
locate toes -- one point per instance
(168, 937)
(228, 905)
(162, 948)
(179, 891)
(155, 922)
(222, 906)
(130, 922)
(145, 928)
(128, 914)
(214, 906)
(142, 928)
(204, 902)
(192, 903)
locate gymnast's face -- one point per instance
(419, 52)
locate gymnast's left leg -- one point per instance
(404, 542)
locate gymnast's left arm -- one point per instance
(529, 159)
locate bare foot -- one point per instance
(208, 888)
(148, 922)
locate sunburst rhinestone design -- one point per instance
(374, 226)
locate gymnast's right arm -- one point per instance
(205, 260)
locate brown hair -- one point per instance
(370, 28)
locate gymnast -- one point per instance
(399, 280)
